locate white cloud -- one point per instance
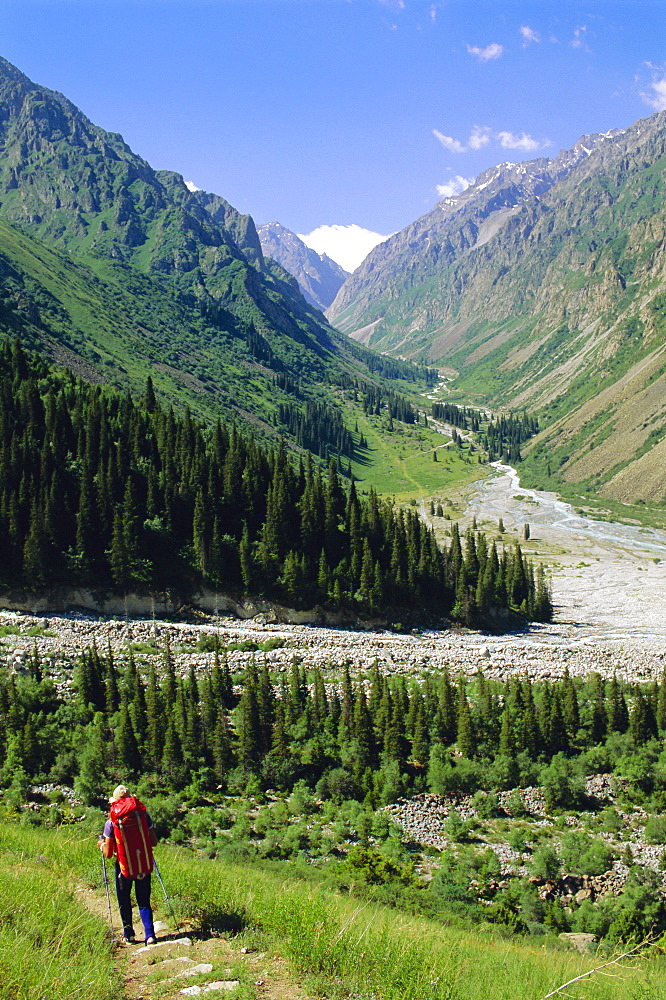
(347, 245)
(479, 137)
(454, 187)
(482, 135)
(523, 141)
(656, 96)
(579, 40)
(492, 51)
(191, 186)
(453, 145)
(528, 34)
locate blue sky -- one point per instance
(344, 112)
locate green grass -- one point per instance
(372, 950)
(400, 463)
(344, 946)
(34, 630)
(50, 947)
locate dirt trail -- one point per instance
(228, 964)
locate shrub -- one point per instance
(545, 862)
(562, 784)
(583, 855)
(655, 830)
(486, 804)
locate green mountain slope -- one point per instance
(121, 271)
(543, 286)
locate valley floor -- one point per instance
(609, 591)
(609, 579)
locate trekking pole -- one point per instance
(108, 894)
(173, 915)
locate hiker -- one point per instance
(130, 837)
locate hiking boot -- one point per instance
(151, 940)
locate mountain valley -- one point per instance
(541, 287)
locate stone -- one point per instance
(203, 969)
(164, 944)
(220, 984)
(581, 942)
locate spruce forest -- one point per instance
(302, 768)
(103, 491)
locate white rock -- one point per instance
(196, 970)
(163, 944)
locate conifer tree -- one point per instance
(248, 725)
(127, 751)
(465, 736)
(570, 709)
(221, 745)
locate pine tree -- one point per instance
(154, 720)
(599, 719)
(570, 709)
(221, 745)
(465, 736)
(248, 722)
(127, 750)
(445, 718)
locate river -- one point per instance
(608, 578)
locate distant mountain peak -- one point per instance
(319, 277)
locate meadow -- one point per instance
(51, 947)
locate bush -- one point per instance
(166, 813)
(486, 805)
(515, 804)
(518, 838)
(583, 855)
(545, 862)
(302, 802)
(455, 828)
(655, 830)
(562, 785)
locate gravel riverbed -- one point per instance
(609, 591)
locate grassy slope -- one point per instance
(344, 944)
(49, 946)
(400, 462)
(562, 312)
(110, 323)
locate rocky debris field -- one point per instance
(422, 819)
(59, 638)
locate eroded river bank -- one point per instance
(609, 590)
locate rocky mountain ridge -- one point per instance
(541, 286)
(319, 278)
(121, 271)
(462, 223)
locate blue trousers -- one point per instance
(142, 893)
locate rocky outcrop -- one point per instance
(319, 277)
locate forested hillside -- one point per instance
(103, 491)
(541, 286)
(121, 272)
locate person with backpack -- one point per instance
(130, 837)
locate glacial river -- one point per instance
(608, 579)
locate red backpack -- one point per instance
(132, 836)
